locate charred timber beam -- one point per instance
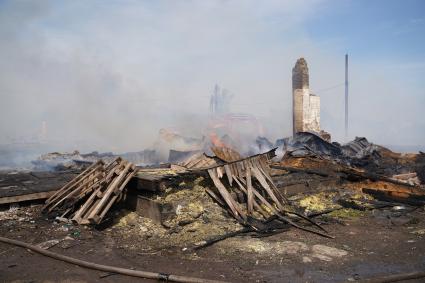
(413, 198)
(300, 170)
(348, 172)
(374, 177)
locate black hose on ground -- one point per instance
(107, 268)
(395, 277)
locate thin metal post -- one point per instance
(346, 96)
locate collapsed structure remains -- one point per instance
(197, 199)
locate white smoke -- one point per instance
(106, 75)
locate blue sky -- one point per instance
(375, 29)
(70, 62)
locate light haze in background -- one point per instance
(107, 75)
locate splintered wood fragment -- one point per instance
(256, 205)
(269, 179)
(266, 186)
(228, 174)
(234, 169)
(264, 201)
(264, 164)
(295, 213)
(223, 191)
(236, 211)
(215, 197)
(240, 174)
(219, 172)
(249, 189)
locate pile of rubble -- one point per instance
(358, 165)
(203, 199)
(359, 153)
(57, 161)
(187, 217)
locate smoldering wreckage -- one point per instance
(216, 194)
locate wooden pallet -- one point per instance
(88, 197)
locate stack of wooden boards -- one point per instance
(88, 197)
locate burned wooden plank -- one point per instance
(250, 196)
(412, 197)
(257, 206)
(229, 174)
(237, 213)
(27, 197)
(303, 170)
(374, 177)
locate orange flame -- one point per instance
(216, 140)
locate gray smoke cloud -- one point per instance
(107, 75)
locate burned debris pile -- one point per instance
(88, 197)
(260, 194)
(357, 165)
(245, 188)
(359, 153)
(56, 161)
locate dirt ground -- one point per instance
(366, 244)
